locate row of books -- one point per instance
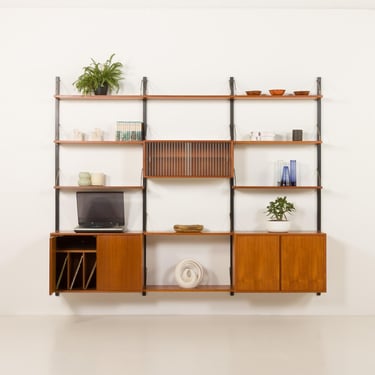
(129, 130)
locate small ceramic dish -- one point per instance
(196, 228)
(301, 92)
(253, 92)
(277, 92)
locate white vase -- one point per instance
(278, 226)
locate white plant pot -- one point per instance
(278, 226)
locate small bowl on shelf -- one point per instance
(195, 228)
(301, 93)
(253, 92)
(277, 92)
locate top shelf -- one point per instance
(188, 97)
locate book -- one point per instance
(129, 131)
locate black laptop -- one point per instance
(100, 211)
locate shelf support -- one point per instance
(232, 85)
(144, 191)
(319, 156)
(57, 154)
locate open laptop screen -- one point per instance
(100, 208)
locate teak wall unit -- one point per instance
(259, 261)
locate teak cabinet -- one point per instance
(95, 262)
(288, 262)
(258, 261)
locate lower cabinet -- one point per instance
(271, 262)
(95, 262)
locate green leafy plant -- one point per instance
(98, 75)
(279, 208)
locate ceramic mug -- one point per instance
(97, 178)
(84, 179)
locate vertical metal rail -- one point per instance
(57, 155)
(319, 156)
(144, 191)
(231, 180)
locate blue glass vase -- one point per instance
(293, 173)
(285, 176)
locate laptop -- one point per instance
(100, 211)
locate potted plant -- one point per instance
(278, 210)
(98, 78)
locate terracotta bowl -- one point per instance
(277, 91)
(301, 92)
(253, 92)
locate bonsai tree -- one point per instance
(98, 77)
(279, 208)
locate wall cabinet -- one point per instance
(290, 262)
(258, 261)
(95, 262)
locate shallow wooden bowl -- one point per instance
(301, 92)
(253, 92)
(277, 91)
(188, 228)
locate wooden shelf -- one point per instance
(122, 143)
(176, 288)
(188, 97)
(88, 234)
(99, 97)
(277, 97)
(95, 188)
(203, 233)
(273, 143)
(278, 187)
(81, 251)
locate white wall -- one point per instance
(187, 51)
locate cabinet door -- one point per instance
(303, 263)
(119, 263)
(256, 263)
(52, 265)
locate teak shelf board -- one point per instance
(277, 97)
(278, 187)
(99, 97)
(97, 188)
(72, 142)
(75, 251)
(189, 176)
(176, 288)
(188, 97)
(189, 141)
(88, 290)
(265, 233)
(277, 142)
(171, 233)
(62, 233)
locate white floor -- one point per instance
(186, 345)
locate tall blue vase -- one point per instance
(285, 176)
(293, 173)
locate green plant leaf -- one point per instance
(99, 74)
(279, 208)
